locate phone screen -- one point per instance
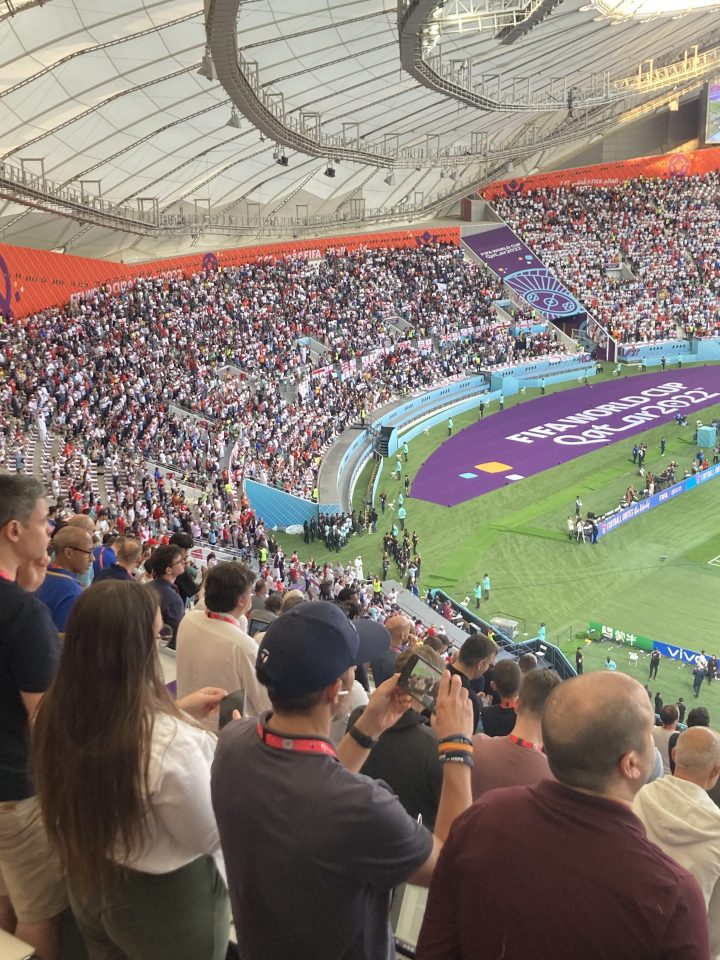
(421, 680)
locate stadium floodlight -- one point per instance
(390, 179)
(281, 158)
(234, 120)
(329, 169)
(453, 174)
(207, 67)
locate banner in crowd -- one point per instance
(620, 636)
(347, 368)
(514, 262)
(657, 499)
(367, 359)
(681, 164)
(32, 280)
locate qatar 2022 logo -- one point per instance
(679, 165)
(210, 263)
(425, 238)
(7, 296)
(513, 188)
(544, 292)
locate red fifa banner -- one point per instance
(681, 164)
(33, 280)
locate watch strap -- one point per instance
(366, 742)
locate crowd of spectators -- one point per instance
(125, 806)
(213, 378)
(665, 231)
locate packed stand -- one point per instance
(665, 231)
(184, 373)
(126, 807)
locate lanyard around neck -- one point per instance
(528, 744)
(219, 616)
(296, 744)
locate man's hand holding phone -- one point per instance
(385, 707)
(453, 712)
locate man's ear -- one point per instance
(332, 691)
(631, 767)
(12, 531)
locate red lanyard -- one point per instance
(219, 616)
(6, 576)
(524, 743)
(297, 744)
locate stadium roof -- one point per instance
(118, 146)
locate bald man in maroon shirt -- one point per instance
(563, 869)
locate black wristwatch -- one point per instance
(366, 742)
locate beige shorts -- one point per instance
(30, 872)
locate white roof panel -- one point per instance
(109, 91)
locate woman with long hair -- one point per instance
(123, 776)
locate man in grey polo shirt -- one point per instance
(312, 848)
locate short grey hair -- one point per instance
(19, 495)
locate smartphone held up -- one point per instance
(421, 680)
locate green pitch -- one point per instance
(653, 577)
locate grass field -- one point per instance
(653, 577)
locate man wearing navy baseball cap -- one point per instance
(313, 849)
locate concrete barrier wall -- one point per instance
(706, 348)
(638, 352)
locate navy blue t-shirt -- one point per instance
(29, 652)
(312, 851)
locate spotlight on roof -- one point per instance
(453, 174)
(443, 173)
(207, 67)
(282, 159)
(330, 169)
(234, 120)
(390, 179)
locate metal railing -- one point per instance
(551, 655)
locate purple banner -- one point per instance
(534, 436)
(512, 260)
